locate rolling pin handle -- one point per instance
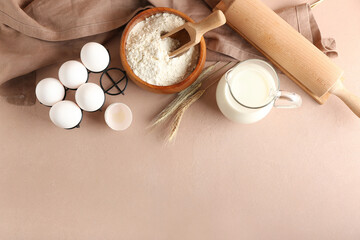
(351, 100)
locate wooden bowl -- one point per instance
(154, 88)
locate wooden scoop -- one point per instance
(286, 48)
(190, 34)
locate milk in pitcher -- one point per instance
(246, 93)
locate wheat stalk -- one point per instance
(184, 100)
(182, 96)
(180, 113)
(185, 105)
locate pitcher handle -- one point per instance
(293, 100)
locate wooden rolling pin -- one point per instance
(286, 48)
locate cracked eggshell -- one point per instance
(118, 116)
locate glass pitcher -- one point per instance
(248, 91)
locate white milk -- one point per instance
(253, 84)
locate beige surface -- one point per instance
(294, 175)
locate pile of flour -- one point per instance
(148, 54)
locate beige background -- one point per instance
(294, 175)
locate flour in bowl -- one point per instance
(148, 54)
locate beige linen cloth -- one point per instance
(38, 33)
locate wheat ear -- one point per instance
(182, 96)
(180, 112)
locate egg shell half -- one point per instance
(73, 74)
(49, 91)
(118, 116)
(94, 56)
(65, 114)
(90, 97)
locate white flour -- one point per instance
(147, 54)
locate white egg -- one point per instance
(94, 56)
(72, 74)
(118, 116)
(90, 97)
(65, 114)
(49, 91)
